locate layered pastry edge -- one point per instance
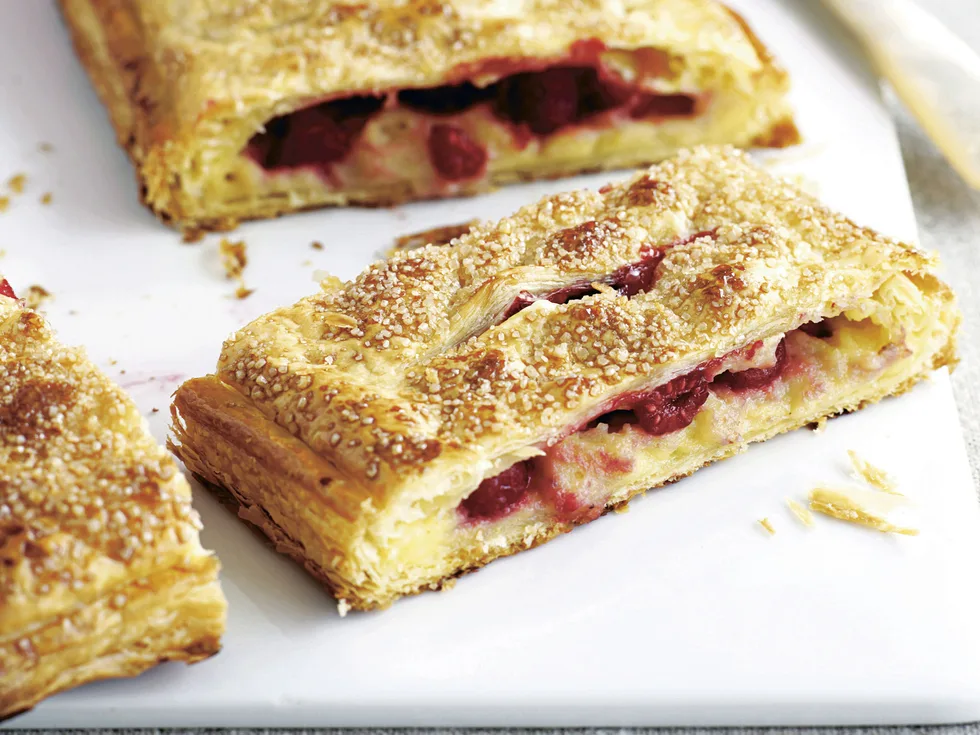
(189, 135)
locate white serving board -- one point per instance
(681, 611)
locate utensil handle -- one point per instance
(934, 72)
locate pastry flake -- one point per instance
(871, 474)
(101, 571)
(453, 405)
(233, 110)
(881, 511)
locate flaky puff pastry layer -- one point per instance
(188, 84)
(102, 573)
(352, 424)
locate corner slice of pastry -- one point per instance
(235, 110)
(102, 574)
(452, 405)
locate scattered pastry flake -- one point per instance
(882, 511)
(36, 296)
(46, 198)
(45, 147)
(233, 257)
(4, 203)
(16, 183)
(768, 526)
(804, 514)
(154, 410)
(874, 476)
(343, 607)
(3, 253)
(316, 245)
(436, 236)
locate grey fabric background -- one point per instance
(949, 222)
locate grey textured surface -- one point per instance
(949, 222)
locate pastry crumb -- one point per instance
(17, 183)
(883, 512)
(343, 607)
(46, 197)
(233, 257)
(764, 522)
(45, 147)
(316, 245)
(154, 410)
(4, 203)
(434, 236)
(36, 296)
(307, 263)
(801, 512)
(874, 476)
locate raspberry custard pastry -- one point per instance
(234, 110)
(456, 404)
(101, 571)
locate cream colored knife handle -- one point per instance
(936, 74)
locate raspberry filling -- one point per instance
(664, 410)
(533, 102)
(629, 280)
(6, 290)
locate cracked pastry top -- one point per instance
(235, 109)
(458, 403)
(102, 573)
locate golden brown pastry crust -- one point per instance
(101, 570)
(339, 420)
(188, 84)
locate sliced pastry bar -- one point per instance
(102, 573)
(235, 110)
(452, 405)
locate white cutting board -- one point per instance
(681, 611)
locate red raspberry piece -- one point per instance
(454, 154)
(499, 495)
(545, 100)
(673, 406)
(598, 95)
(756, 378)
(314, 137)
(639, 276)
(6, 290)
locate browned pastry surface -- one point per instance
(189, 83)
(353, 423)
(102, 573)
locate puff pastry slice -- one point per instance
(101, 571)
(456, 404)
(234, 110)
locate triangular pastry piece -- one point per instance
(456, 404)
(235, 110)
(102, 573)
